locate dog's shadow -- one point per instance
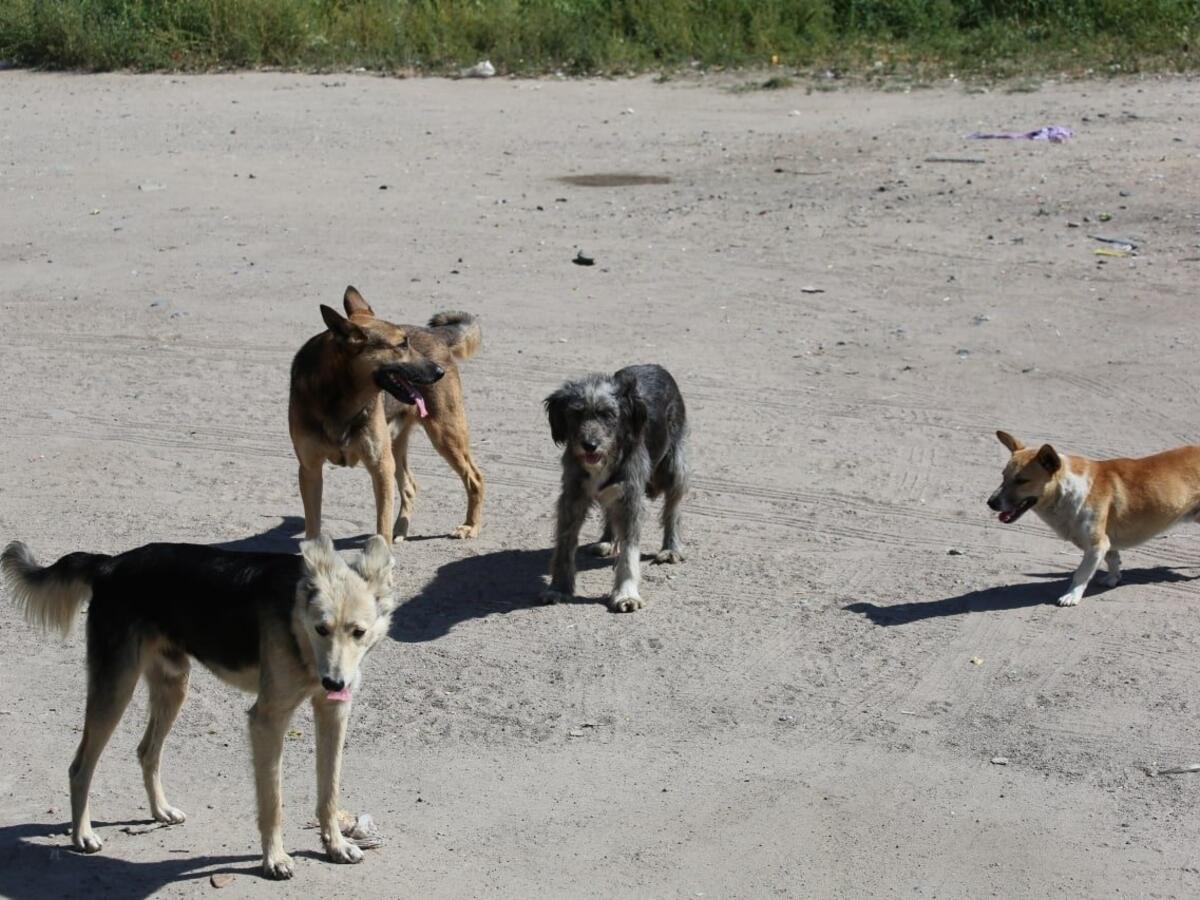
(479, 586)
(286, 536)
(1008, 597)
(31, 869)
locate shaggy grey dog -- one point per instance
(624, 436)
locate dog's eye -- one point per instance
(1020, 481)
(358, 633)
(402, 345)
(322, 631)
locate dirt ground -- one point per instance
(814, 703)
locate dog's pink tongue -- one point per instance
(1005, 517)
(420, 401)
(341, 696)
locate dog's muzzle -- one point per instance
(401, 381)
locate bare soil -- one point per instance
(815, 702)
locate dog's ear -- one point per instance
(556, 412)
(633, 407)
(1009, 441)
(1049, 458)
(320, 557)
(375, 567)
(342, 329)
(354, 303)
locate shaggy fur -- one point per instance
(286, 628)
(623, 436)
(358, 389)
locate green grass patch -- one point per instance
(878, 37)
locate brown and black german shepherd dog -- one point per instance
(357, 391)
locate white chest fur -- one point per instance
(1069, 513)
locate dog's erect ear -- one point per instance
(556, 412)
(633, 407)
(354, 303)
(1049, 458)
(320, 557)
(1009, 441)
(342, 329)
(375, 567)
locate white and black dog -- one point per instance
(286, 628)
(624, 435)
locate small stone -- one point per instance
(582, 259)
(220, 879)
(954, 551)
(999, 760)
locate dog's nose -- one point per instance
(993, 502)
(589, 446)
(331, 684)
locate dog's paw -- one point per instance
(465, 532)
(87, 842)
(279, 867)
(169, 815)
(550, 596)
(1112, 579)
(668, 556)
(1070, 598)
(344, 852)
(605, 549)
(625, 602)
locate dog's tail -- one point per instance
(49, 596)
(460, 331)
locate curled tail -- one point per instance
(460, 331)
(49, 596)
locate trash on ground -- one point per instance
(965, 160)
(1179, 770)
(1056, 134)
(481, 69)
(1109, 251)
(1119, 242)
(359, 830)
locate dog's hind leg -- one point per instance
(113, 670)
(1112, 562)
(330, 718)
(672, 474)
(453, 443)
(405, 483)
(167, 679)
(267, 728)
(311, 484)
(607, 545)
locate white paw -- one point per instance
(1112, 579)
(550, 596)
(604, 549)
(170, 815)
(344, 852)
(1070, 598)
(278, 866)
(465, 532)
(87, 843)
(625, 602)
(669, 556)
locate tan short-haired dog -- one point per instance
(1100, 506)
(357, 391)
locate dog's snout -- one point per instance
(332, 684)
(994, 501)
(589, 446)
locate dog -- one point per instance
(286, 628)
(1100, 506)
(357, 390)
(623, 434)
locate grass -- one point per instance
(877, 37)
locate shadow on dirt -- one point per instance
(32, 870)
(287, 535)
(1008, 597)
(479, 586)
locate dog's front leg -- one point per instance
(573, 505)
(383, 474)
(1087, 568)
(311, 483)
(331, 717)
(267, 729)
(627, 525)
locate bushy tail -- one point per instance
(49, 596)
(460, 331)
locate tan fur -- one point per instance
(338, 414)
(1101, 506)
(51, 607)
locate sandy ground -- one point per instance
(811, 705)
